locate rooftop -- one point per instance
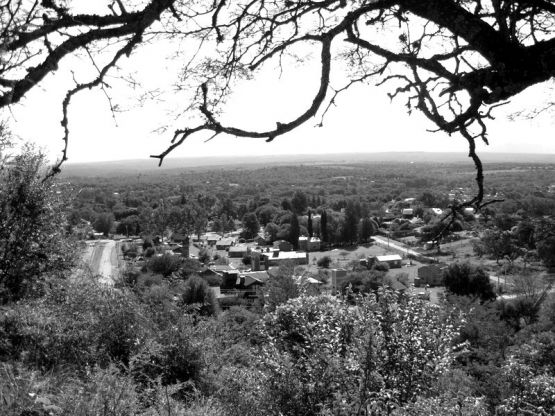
(225, 242)
(239, 248)
(253, 277)
(287, 255)
(390, 257)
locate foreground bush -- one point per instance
(77, 324)
(324, 356)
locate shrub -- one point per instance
(324, 262)
(246, 260)
(322, 354)
(232, 302)
(204, 256)
(33, 246)
(78, 324)
(197, 292)
(467, 280)
(147, 243)
(166, 264)
(362, 282)
(189, 267)
(171, 357)
(381, 266)
(148, 279)
(213, 280)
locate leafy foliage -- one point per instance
(166, 264)
(322, 355)
(467, 280)
(32, 241)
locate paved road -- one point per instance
(102, 259)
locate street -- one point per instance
(101, 258)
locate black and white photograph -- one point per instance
(277, 207)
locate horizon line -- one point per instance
(284, 155)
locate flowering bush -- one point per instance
(532, 394)
(324, 355)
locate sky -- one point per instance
(364, 119)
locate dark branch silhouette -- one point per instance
(455, 61)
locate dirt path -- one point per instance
(395, 245)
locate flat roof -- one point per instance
(390, 257)
(238, 248)
(286, 255)
(225, 241)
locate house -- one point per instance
(279, 257)
(303, 243)
(222, 268)
(183, 250)
(337, 278)
(395, 284)
(252, 279)
(260, 239)
(180, 238)
(283, 245)
(228, 274)
(212, 239)
(307, 280)
(392, 260)
(313, 244)
(224, 243)
(207, 273)
(408, 213)
(239, 251)
(430, 274)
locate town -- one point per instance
(403, 243)
(277, 208)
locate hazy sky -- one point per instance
(363, 121)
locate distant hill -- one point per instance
(150, 166)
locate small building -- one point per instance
(279, 257)
(303, 243)
(314, 244)
(180, 238)
(408, 213)
(392, 260)
(307, 281)
(430, 274)
(283, 245)
(228, 274)
(337, 278)
(469, 211)
(183, 250)
(395, 284)
(211, 240)
(224, 243)
(208, 272)
(260, 239)
(222, 267)
(253, 279)
(239, 251)
(437, 211)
